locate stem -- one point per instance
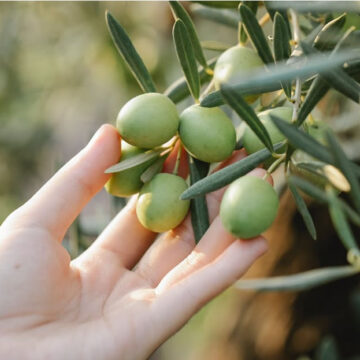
(274, 166)
(177, 163)
(297, 94)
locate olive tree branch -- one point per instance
(297, 93)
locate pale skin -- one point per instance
(127, 293)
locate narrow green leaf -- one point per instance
(303, 210)
(247, 113)
(129, 54)
(272, 11)
(185, 54)
(181, 13)
(298, 282)
(344, 164)
(340, 222)
(310, 38)
(325, 174)
(134, 161)
(321, 196)
(268, 79)
(153, 169)
(220, 4)
(256, 34)
(338, 78)
(302, 140)
(330, 34)
(213, 99)
(282, 48)
(317, 6)
(228, 174)
(179, 90)
(317, 91)
(198, 206)
(221, 16)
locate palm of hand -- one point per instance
(99, 306)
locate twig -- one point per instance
(297, 94)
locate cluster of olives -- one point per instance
(150, 120)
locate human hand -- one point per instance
(123, 296)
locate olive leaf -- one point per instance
(198, 206)
(129, 54)
(345, 165)
(185, 54)
(212, 100)
(221, 16)
(228, 174)
(330, 33)
(282, 49)
(340, 222)
(317, 91)
(153, 169)
(304, 211)
(134, 161)
(247, 113)
(180, 12)
(326, 174)
(317, 6)
(220, 4)
(269, 79)
(301, 140)
(338, 78)
(320, 195)
(179, 90)
(255, 34)
(272, 11)
(253, 6)
(298, 282)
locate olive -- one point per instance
(148, 120)
(236, 62)
(127, 182)
(207, 133)
(159, 207)
(249, 207)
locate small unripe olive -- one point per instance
(252, 143)
(159, 207)
(207, 133)
(127, 182)
(249, 207)
(234, 63)
(148, 120)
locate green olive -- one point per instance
(127, 182)
(148, 120)
(249, 207)
(252, 143)
(207, 133)
(159, 207)
(234, 63)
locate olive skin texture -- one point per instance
(249, 207)
(159, 207)
(148, 120)
(127, 182)
(235, 62)
(207, 133)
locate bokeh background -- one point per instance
(61, 78)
